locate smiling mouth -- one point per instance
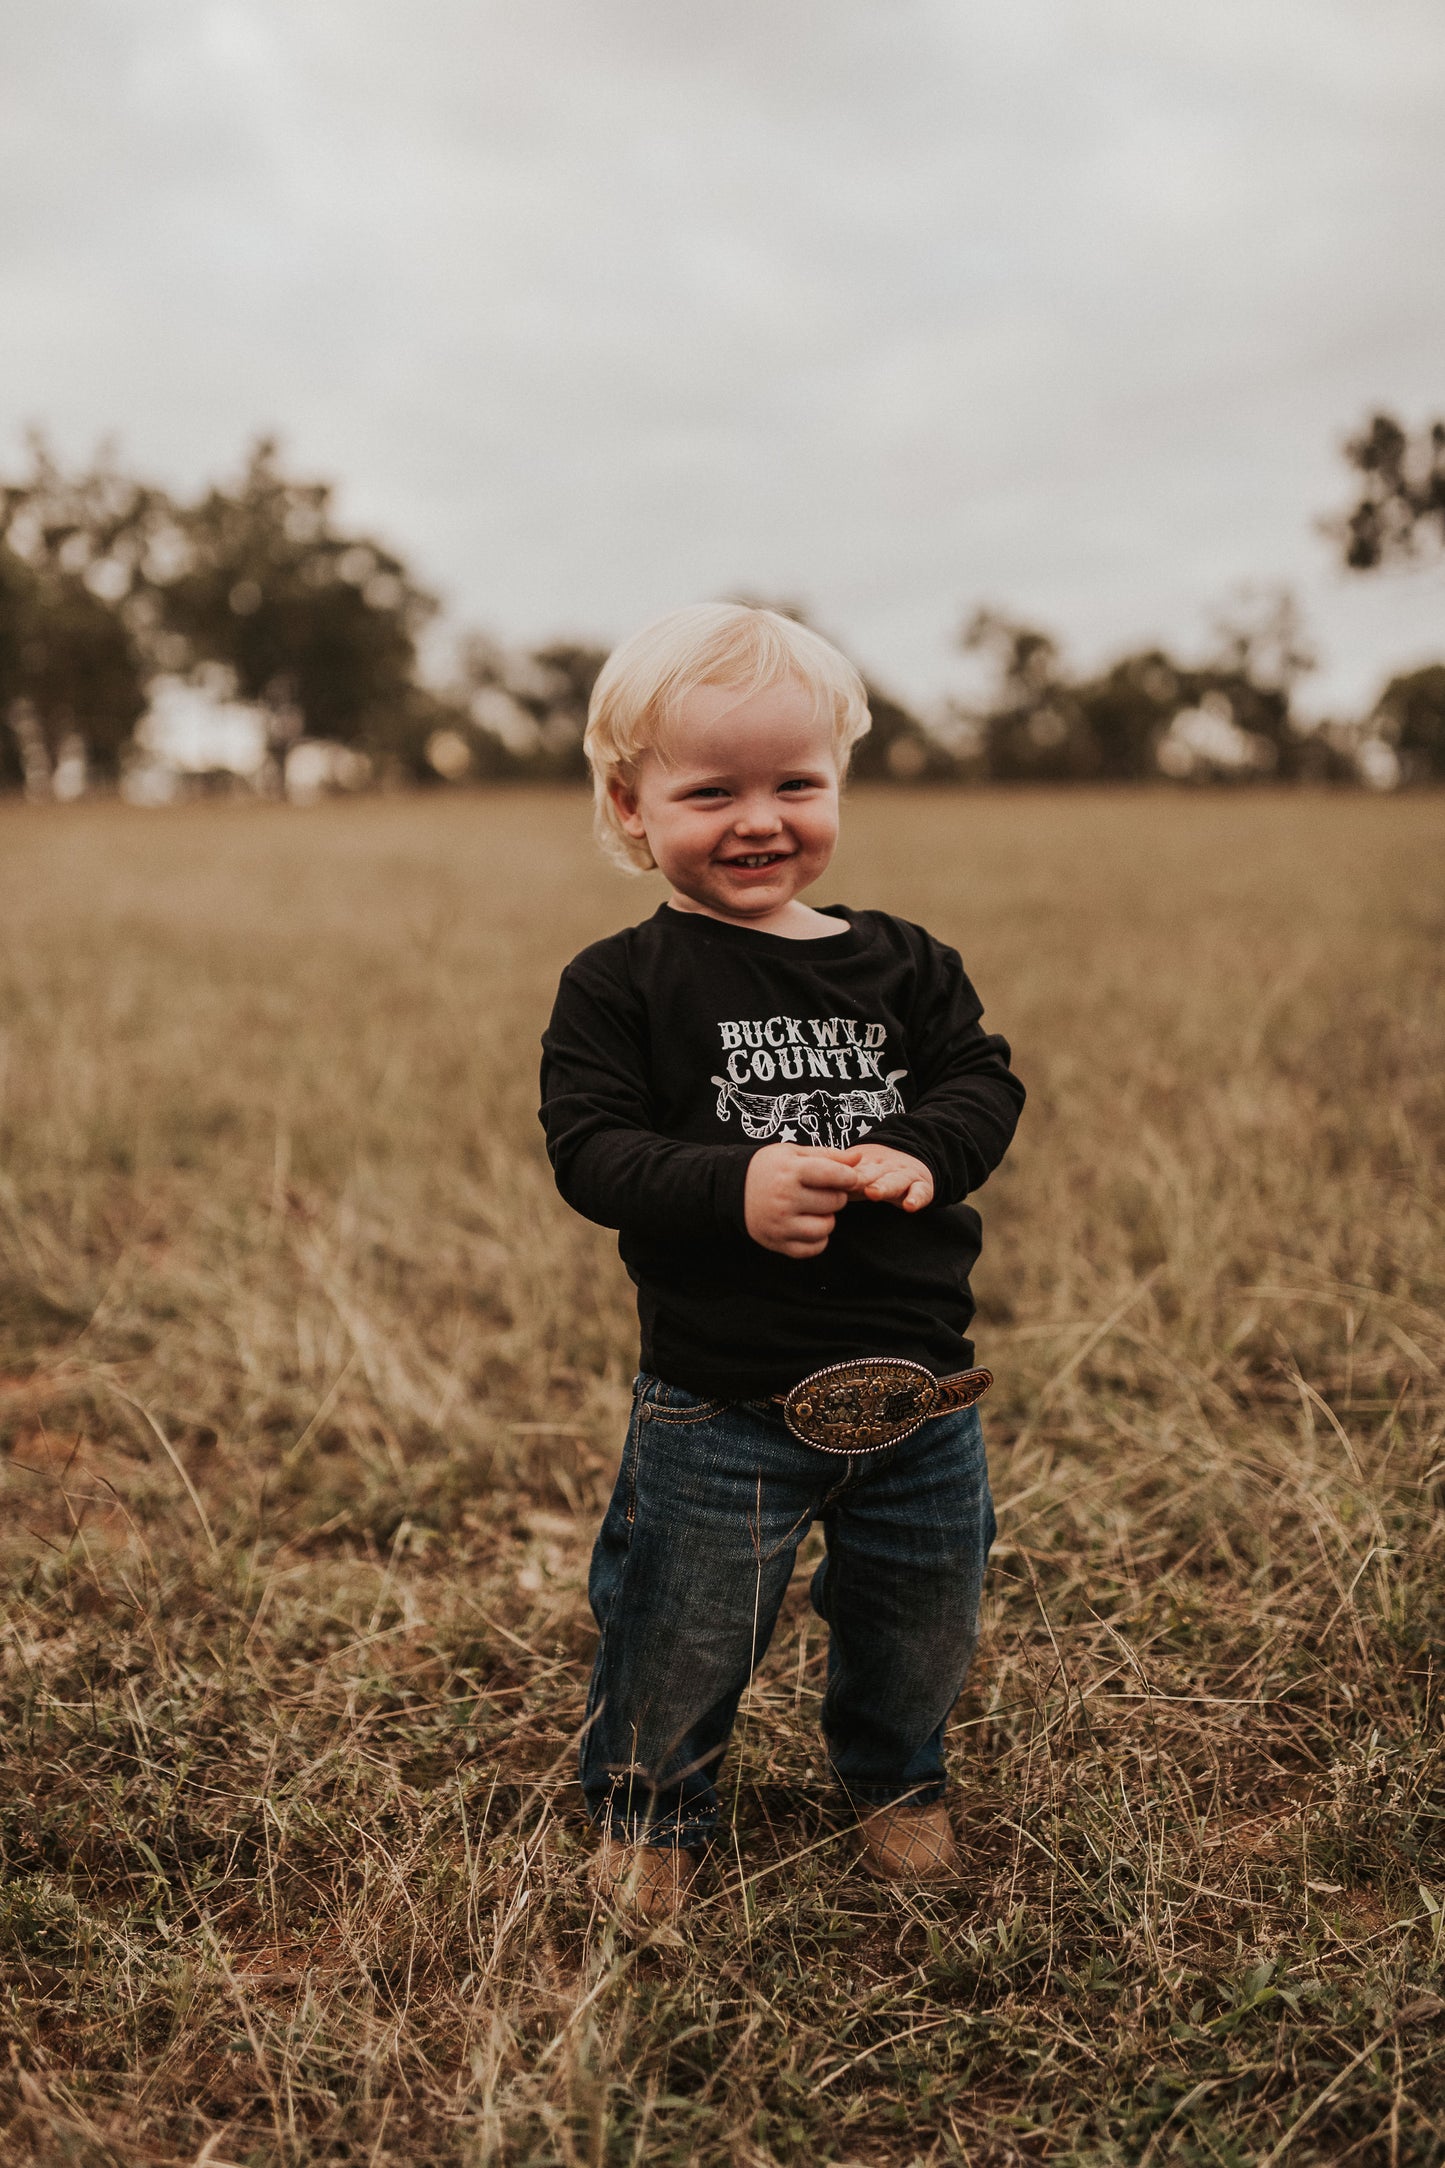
(755, 861)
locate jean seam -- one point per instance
(794, 1535)
(830, 1497)
(632, 1453)
(708, 1413)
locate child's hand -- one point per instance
(889, 1177)
(793, 1194)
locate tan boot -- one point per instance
(909, 1843)
(647, 1883)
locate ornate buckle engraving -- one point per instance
(859, 1407)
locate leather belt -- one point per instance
(861, 1406)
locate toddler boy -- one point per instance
(782, 1110)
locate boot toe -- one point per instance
(910, 1844)
(647, 1883)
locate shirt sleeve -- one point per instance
(968, 1100)
(611, 1163)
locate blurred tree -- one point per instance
(1035, 730)
(1398, 518)
(76, 613)
(898, 748)
(1127, 709)
(568, 669)
(1410, 717)
(1260, 655)
(1228, 719)
(317, 626)
(1401, 506)
(528, 707)
(16, 752)
(404, 738)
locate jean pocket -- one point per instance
(674, 1404)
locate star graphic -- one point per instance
(787, 1136)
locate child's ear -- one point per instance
(623, 794)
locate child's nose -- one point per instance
(757, 818)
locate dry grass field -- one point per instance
(310, 1391)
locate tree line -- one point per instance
(260, 593)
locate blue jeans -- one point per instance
(688, 1574)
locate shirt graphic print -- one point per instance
(790, 1048)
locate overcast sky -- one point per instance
(895, 306)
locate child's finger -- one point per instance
(822, 1200)
(820, 1156)
(919, 1194)
(826, 1170)
(798, 1243)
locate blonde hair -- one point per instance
(644, 682)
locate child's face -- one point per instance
(743, 813)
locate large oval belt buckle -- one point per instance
(859, 1407)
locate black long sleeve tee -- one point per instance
(679, 1047)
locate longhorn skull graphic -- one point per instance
(834, 1119)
